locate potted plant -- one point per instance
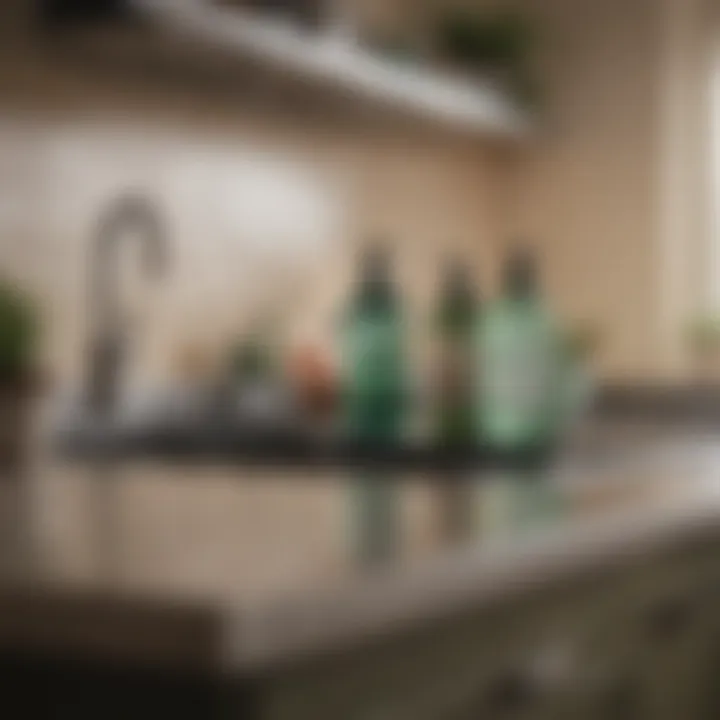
(704, 339)
(251, 361)
(494, 45)
(256, 382)
(580, 343)
(18, 337)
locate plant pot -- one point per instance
(16, 395)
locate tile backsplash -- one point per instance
(255, 228)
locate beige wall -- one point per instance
(613, 190)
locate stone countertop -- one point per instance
(218, 573)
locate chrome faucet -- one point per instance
(128, 213)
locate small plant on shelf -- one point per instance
(495, 44)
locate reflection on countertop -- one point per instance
(252, 535)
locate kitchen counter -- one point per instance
(243, 572)
(247, 541)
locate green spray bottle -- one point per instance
(374, 398)
(454, 428)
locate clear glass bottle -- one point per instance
(520, 363)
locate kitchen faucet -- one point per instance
(133, 214)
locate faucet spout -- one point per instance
(129, 215)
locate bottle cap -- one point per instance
(520, 278)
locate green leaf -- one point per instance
(19, 330)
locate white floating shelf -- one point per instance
(338, 61)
